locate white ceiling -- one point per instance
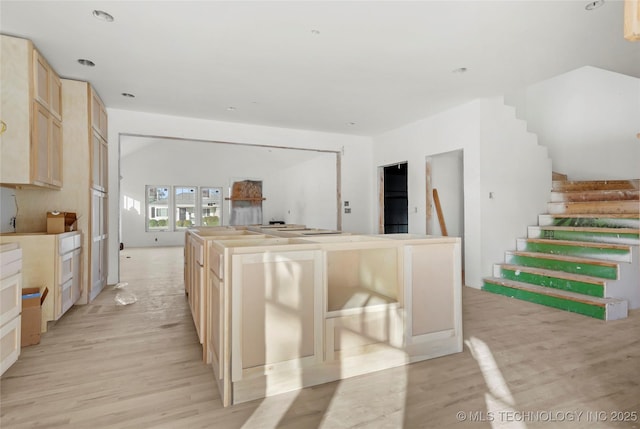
(319, 65)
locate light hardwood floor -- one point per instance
(105, 365)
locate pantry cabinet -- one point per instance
(31, 106)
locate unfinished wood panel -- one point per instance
(42, 83)
(432, 295)
(16, 106)
(369, 327)
(277, 312)
(215, 326)
(632, 20)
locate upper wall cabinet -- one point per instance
(31, 110)
(48, 89)
(98, 115)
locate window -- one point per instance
(175, 208)
(157, 208)
(210, 206)
(185, 204)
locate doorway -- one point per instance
(394, 199)
(445, 176)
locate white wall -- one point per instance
(357, 183)
(299, 185)
(499, 156)
(588, 119)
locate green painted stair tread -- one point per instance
(624, 236)
(559, 274)
(611, 246)
(568, 301)
(586, 285)
(571, 264)
(608, 220)
(603, 230)
(587, 249)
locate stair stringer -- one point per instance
(628, 284)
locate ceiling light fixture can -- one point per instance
(86, 62)
(128, 95)
(103, 16)
(459, 70)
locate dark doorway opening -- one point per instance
(395, 199)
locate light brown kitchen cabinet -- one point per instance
(82, 196)
(50, 261)
(48, 88)
(11, 304)
(98, 115)
(47, 148)
(31, 106)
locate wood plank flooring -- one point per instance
(105, 365)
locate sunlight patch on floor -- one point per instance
(499, 400)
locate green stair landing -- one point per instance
(582, 256)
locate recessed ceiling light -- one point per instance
(86, 62)
(128, 95)
(459, 70)
(102, 15)
(231, 108)
(594, 4)
(315, 32)
(351, 124)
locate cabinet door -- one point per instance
(55, 153)
(99, 154)
(40, 146)
(98, 115)
(42, 77)
(98, 244)
(46, 153)
(55, 97)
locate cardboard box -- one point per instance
(58, 222)
(31, 316)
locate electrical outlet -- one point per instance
(347, 210)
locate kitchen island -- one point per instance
(281, 308)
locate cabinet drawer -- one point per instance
(66, 296)
(66, 267)
(69, 243)
(11, 297)
(10, 260)
(9, 343)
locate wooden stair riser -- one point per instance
(584, 288)
(612, 195)
(591, 221)
(594, 207)
(604, 253)
(586, 236)
(596, 311)
(583, 267)
(592, 185)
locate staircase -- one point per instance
(583, 254)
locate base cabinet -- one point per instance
(10, 304)
(283, 313)
(50, 261)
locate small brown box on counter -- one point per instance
(58, 222)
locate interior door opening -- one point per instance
(394, 199)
